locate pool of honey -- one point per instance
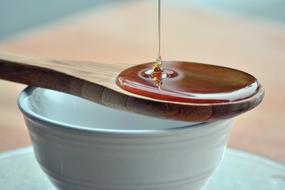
(188, 82)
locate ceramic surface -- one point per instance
(81, 145)
(239, 170)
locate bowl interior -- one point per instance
(72, 111)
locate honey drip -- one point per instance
(156, 73)
(158, 63)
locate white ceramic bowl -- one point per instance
(82, 145)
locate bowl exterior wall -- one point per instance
(180, 159)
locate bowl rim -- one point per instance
(27, 112)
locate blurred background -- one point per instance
(244, 34)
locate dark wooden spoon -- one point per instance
(97, 82)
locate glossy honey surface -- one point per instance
(189, 82)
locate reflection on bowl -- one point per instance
(82, 145)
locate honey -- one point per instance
(187, 82)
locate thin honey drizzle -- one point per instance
(157, 74)
(157, 69)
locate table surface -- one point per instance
(127, 33)
(235, 172)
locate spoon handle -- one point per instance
(35, 72)
(73, 78)
(77, 78)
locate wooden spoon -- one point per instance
(97, 82)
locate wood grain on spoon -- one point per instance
(96, 82)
